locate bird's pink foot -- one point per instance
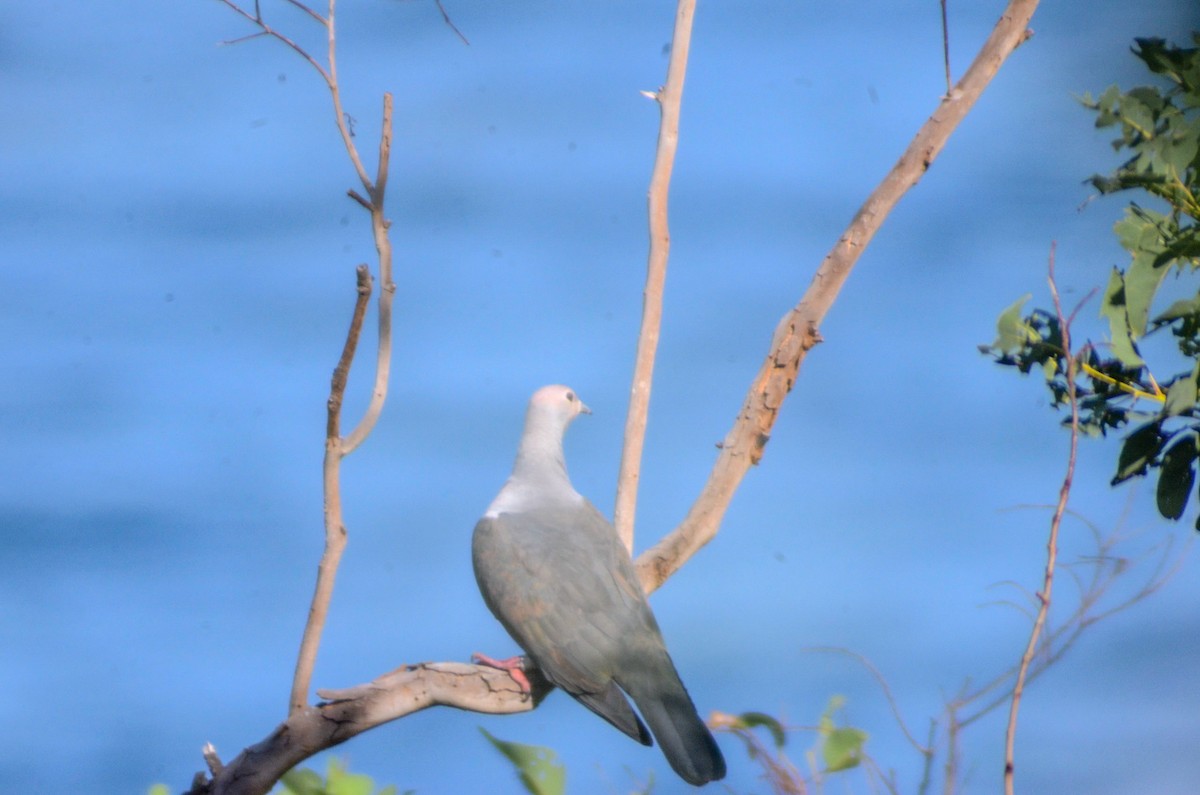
(514, 665)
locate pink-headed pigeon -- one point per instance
(553, 571)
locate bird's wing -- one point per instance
(564, 588)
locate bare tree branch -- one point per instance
(450, 22)
(335, 93)
(797, 332)
(383, 246)
(335, 447)
(1064, 493)
(257, 19)
(349, 712)
(1057, 641)
(305, 9)
(668, 98)
(946, 46)
(335, 530)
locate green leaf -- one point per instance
(1113, 308)
(537, 767)
(1140, 448)
(1012, 332)
(1181, 308)
(158, 789)
(842, 749)
(340, 782)
(751, 720)
(1137, 113)
(1177, 477)
(1181, 66)
(1141, 233)
(1181, 395)
(1142, 280)
(302, 781)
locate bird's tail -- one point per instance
(685, 740)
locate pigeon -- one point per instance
(553, 571)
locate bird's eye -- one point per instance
(571, 397)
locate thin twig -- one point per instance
(448, 21)
(1055, 643)
(926, 750)
(320, 19)
(335, 93)
(950, 772)
(668, 98)
(1064, 494)
(946, 47)
(927, 767)
(335, 530)
(797, 331)
(383, 246)
(257, 19)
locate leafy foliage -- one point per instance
(1159, 129)
(755, 720)
(337, 781)
(538, 768)
(841, 746)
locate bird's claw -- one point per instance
(515, 666)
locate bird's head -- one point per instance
(558, 402)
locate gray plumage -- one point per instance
(553, 571)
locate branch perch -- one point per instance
(352, 711)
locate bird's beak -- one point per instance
(583, 408)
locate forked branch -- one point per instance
(797, 332)
(336, 447)
(335, 530)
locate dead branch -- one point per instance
(346, 713)
(335, 530)
(336, 447)
(668, 97)
(380, 226)
(797, 332)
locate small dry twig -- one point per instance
(946, 47)
(1064, 493)
(877, 675)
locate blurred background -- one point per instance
(177, 273)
